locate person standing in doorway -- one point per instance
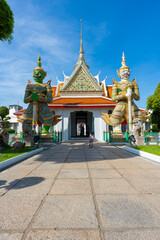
(91, 139)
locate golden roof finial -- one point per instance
(81, 52)
(81, 46)
(123, 60)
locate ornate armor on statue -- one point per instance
(38, 94)
(120, 93)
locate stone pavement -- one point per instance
(72, 192)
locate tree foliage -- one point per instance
(153, 103)
(4, 111)
(6, 22)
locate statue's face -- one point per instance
(124, 74)
(38, 76)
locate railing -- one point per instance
(14, 137)
(55, 137)
(151, 137)
(115, 137)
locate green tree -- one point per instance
(153, 103)
(6, 22)
(4, 111)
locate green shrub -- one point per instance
(154, 128)
(9, 130)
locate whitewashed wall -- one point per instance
(64, 125)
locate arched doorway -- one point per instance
(81, 124)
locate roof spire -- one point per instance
(81, 52)
(81, 46)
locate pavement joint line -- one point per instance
(21, 179)
(29, 227)
(63, 229)
(144, 196)
(95, 202)
(138, 192)
(125, 179)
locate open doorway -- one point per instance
(81, 123)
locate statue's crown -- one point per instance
(39, 64)
(123, 64)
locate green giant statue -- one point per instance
(38, 94)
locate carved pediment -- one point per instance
(82, 81)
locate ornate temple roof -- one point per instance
(81, 81)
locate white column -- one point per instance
(65, 122)
(98, 132)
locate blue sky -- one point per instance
(52, 28)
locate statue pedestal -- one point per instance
(29, 141)
(118, 137)
(46, 137)
(140, 140)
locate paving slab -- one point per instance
(135, 173)
(16, 172)
(75, 165)
(32, 185)
(144, 234)
(94, 156)
(11, 236)
(123, 163)
(143, 163)
(58, 155)
(154, 199)
(126, 211)
(155, 172)
(64, 235)
(100, 164)
(17, 210)
(146, 185)
(75, 160)
(112, 186)
(6, 185)
(45, 173)
(73, 173)
(71, 186)
(72, 211)
(104, 173)
(50, 165)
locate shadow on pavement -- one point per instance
(71, 152)
(22, 183)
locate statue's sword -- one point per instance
(129, 93)
(34, 120)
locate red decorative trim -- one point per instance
(108, 106)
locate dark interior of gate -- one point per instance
(81, 124)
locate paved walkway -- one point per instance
(71, 192)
